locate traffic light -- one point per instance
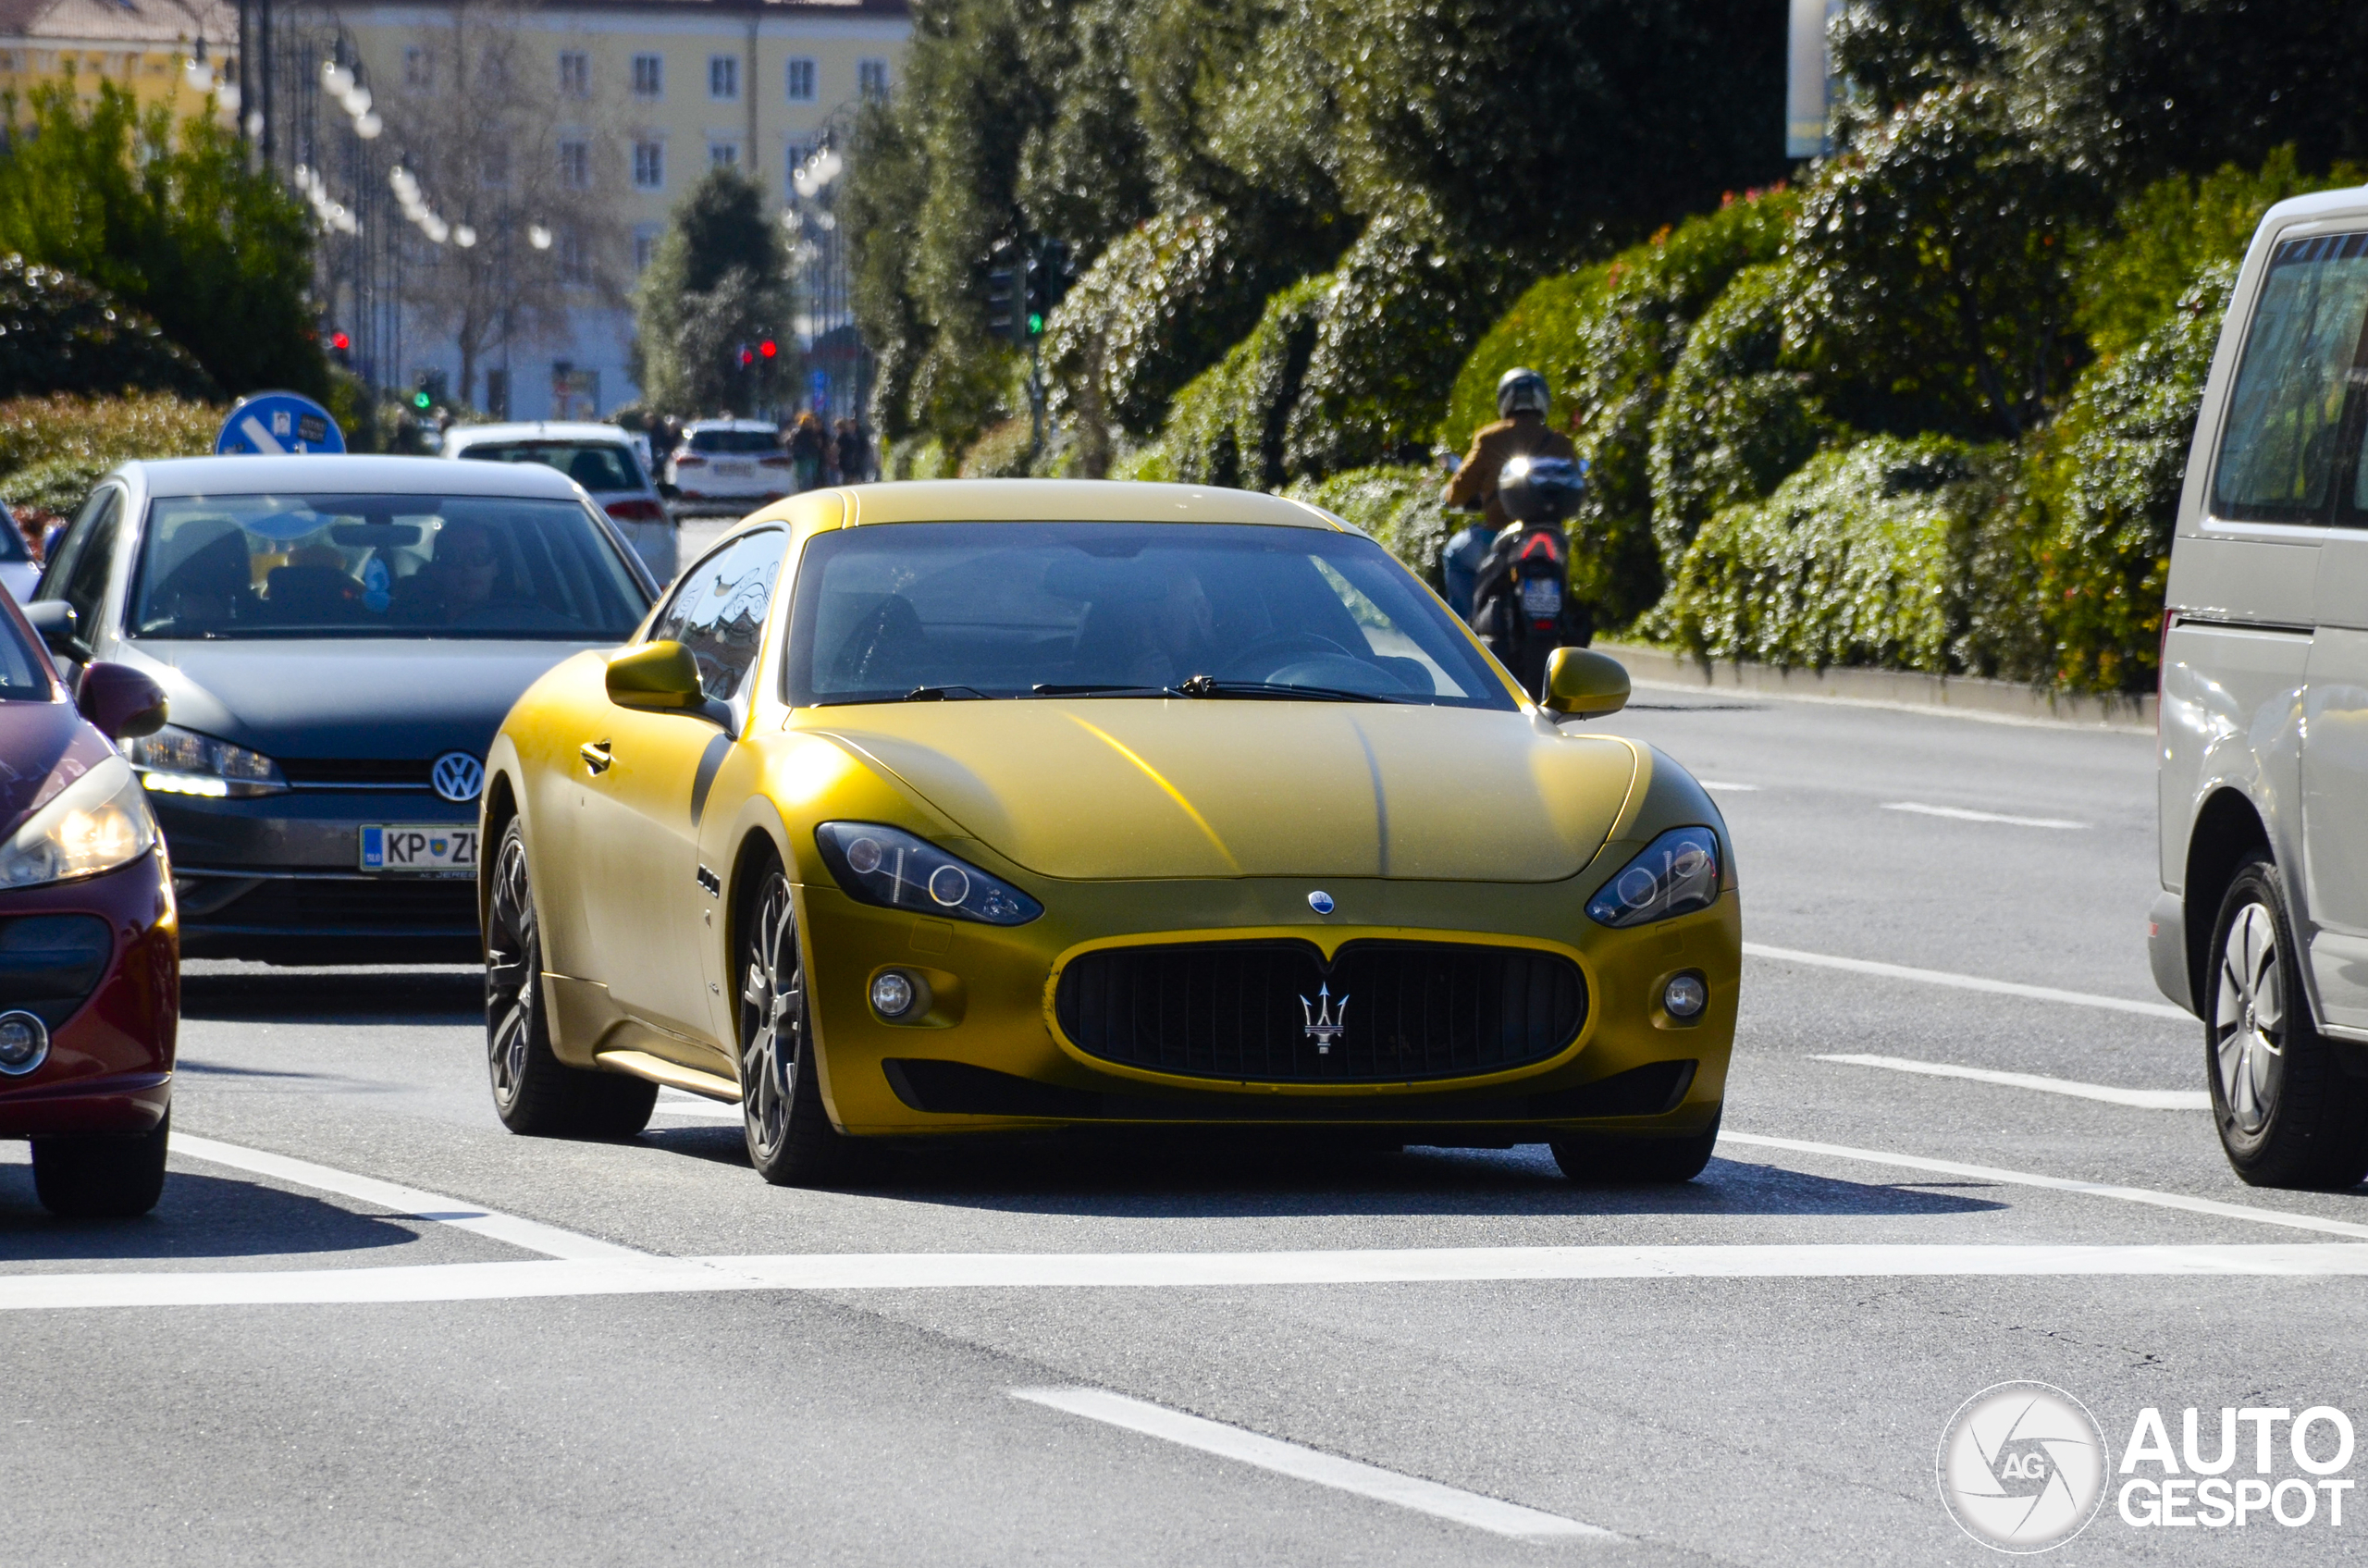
(1047, 281)
(1003, 312)
(342, 350)
(767, 347)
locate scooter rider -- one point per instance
(1522, 400)
(1521, 604)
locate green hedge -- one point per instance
(1227, 427)
(1733, 422)
(1397, 504)
(60, 333)
(1865, 556)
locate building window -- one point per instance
(723, 76)
(724, 154)
(650, 165)
(575, 73)
(419, 69)
(871, 78)
(575, 164)
(801, 81)
(575, 258)
(645, 248)
(649, 76)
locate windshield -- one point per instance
(23, 672)
(961, 610)
(595, 465)
(12, 541)
(380, 567)
(735, 440)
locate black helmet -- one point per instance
(1540, 489)
(1520, 392)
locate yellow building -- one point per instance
(173, 53)
(642, 97)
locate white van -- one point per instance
(2261, 928)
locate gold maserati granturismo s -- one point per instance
(919, 811)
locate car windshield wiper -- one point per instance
(1093, 689)
(1209, 685)
(945, 694)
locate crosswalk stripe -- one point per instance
(1967, 982)
(2143, 1099)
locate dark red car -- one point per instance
(90, 947)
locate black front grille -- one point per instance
(1242, 1010)
(49, 964)
(391, 905)
(334, 771)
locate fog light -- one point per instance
(24, 1042)
(1685, 997)
(895, 993)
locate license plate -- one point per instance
(735, 470)
(404, 846)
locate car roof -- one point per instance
(697, 424)
(1073, 500)
(324, 475)
(537, 429)
(2343, 202)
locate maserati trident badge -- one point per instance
(1324, 1025)
(1319, 901)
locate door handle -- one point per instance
(596, 756)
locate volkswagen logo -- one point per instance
(457, 777)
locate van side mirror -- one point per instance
(656, 675)
(53, 621)
(1583, 684)
(120, 701)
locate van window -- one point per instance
(2278, 452)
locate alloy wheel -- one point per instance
(772, 1019)
(2248, 1023)
(512, 956)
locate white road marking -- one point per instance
(2144, 1099)
(1968, 981)
(1743, 789)
(408, 1202)
(995, 1271)
(1310, 1464)
(2180, 1200)
(1960, 814)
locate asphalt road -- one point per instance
(637, 1352)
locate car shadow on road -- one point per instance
(199, 1216)
(1179, 1177)
(253, 994)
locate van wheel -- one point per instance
(1626, 1162)
(2288, 1114)
(534, 1094)
(101, 1177)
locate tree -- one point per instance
(718, 285)
(166, 216)
(508, 238)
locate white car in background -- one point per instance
(604, 459)
(729, 465)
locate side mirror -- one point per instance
(53, 620)
(667, 491)
(120, 701)
(657, 675)
(1583, 684)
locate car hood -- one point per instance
(356, 699)
(43, 747)
(1211, 788)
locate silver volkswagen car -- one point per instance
(338, 638)
(2262, 927)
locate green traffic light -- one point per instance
(421, 399)
(1035, 325)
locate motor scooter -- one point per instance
(1521, 606)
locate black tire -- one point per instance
(99, 1177)
(1636, 1161)
(2287, 1114)
(533, 1093)
(791, 1141)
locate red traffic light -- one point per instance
(340, 342)
(746, 359)
(767, 347)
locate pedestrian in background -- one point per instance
(855, 453)
(806, 450)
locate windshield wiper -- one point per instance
(945, 694)
(1209, 685)
(1091, 689)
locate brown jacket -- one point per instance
(1493, 446)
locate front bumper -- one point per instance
(277, 877)
(991, 1053)
(110, 1062)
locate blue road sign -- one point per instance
(272, 423)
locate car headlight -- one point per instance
(1677, 874)
(94, 824)
(894, 868)
(179, 761)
